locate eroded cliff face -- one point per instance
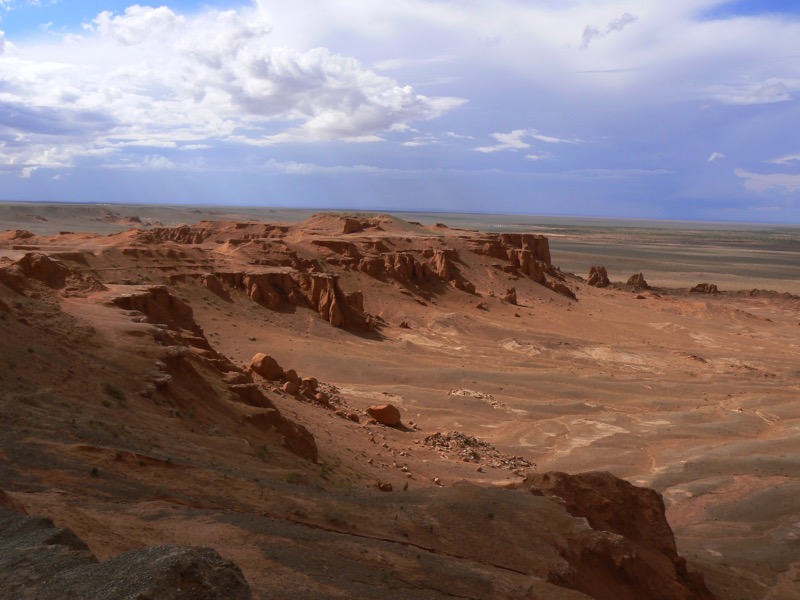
(129, 422)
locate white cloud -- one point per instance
(138, 24)
(761, 182)
(785, 160)
(458, 136)
(716, 156)
(151, 77)
(507, 141)
(515, 140)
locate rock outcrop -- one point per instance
(510, 296)
(640, 554)
(638, 282)
(598, 277)
(159, 305)
(50, 271)
(39, 560)
(705, 288)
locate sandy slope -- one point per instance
(693, 395)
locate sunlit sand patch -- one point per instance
(370, 394)
(666, 326)
(713, 553)
(703, 339)
(421, 340)
(590, 432)
(514, 345)
(618, 358)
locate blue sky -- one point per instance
(685, 109)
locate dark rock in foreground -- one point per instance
(41, 561)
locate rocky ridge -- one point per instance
(183, 424)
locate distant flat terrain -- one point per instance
(487, 340)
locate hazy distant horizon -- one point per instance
(490, 220)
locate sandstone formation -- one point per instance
(644, 551)
(135, 413)
(510, 296)
(637, 281)
(705, 288)
(598, 277)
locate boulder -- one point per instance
(385, 414)
(291, 376)
(598, 277)
(290, 387)
(266, 366)
(309, 385)
(638, 281)
(511, 295)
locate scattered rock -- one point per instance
(511, 296)
(457, 444)
(385, 487)
(266, 366)
(405, 325)
(309, 385)
(290, 388)
(385, 414)
(291, 377)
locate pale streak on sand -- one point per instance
(572, 441)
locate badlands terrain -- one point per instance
(225, 380)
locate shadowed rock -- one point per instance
(41, 561)
(705, 288)
(598, 277)
(638, 281)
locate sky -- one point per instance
(680, 109)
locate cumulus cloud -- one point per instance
(151, 77)
(716, 156)
(762, 182)
(137, 24)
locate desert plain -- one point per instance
(132, 411)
